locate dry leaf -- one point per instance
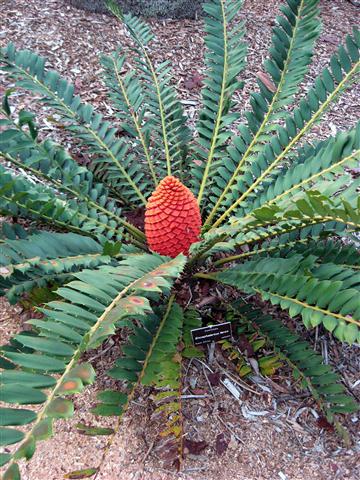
(323, 423)
(245, 346)
(194, 447)
(221, 443)
(266, 80)
(331, 39)
(214, 378)
(194, 82)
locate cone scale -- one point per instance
(172, 218)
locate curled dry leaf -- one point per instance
(209, 300)
(199, 391)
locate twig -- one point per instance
(188, 367)
(148, 451)
(191, 296)
(194, 469)
(324, 352)
(208, 382)
(189, 397)
(239, 382)
(230, 430)
(100, 354)
(204, 364)
(316, 337)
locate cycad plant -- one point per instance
(244, 200)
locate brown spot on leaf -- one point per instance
(61, 407)
(159, 272)
(136, 300)
(69, 385)
(84, 372)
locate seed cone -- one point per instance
(172, 218)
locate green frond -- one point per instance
(290, 55)
(128, 98)
(296, 285)
(334, 251)
(130, 367)
(45, 258)
(112, 159)
(150, 345)
(309, 241)
(327, 87)
(225, 59)
(333, 272)
(90, 308)
(47, 160)
(307, 365)
(20, 197)
(149, 358)
(325, 162)
(170, 134)
(12, 231)
(310, 207)
(292, 228)
(163, 371)
(168, 122)
(138, 29)
(271, 242)
(272, 221)
(315, 205)
(51, 164)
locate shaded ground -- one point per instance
(273, 432)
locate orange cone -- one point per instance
(172, 218)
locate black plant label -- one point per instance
(211, 333)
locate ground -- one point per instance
(273, 431)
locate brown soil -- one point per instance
(272, 431)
